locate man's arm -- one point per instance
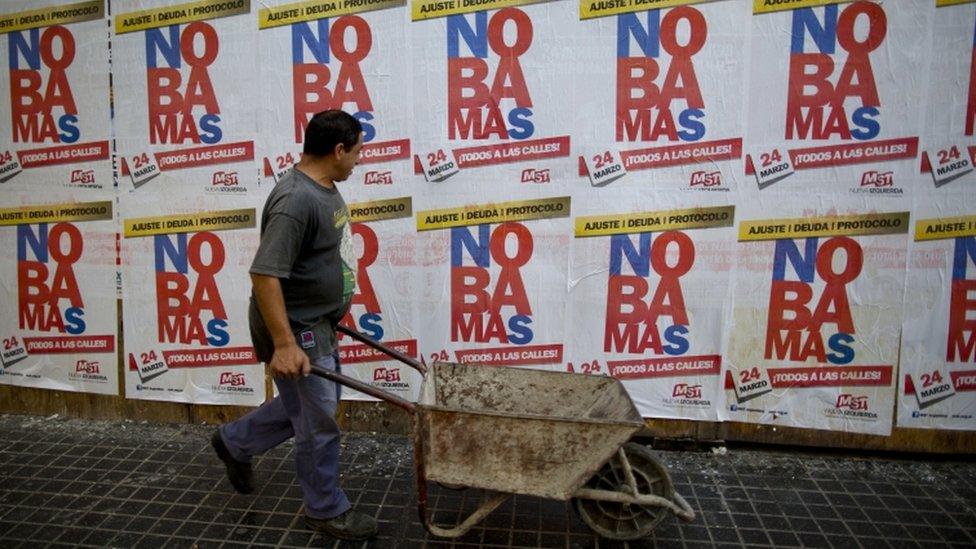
(288, 361)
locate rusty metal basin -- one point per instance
(520, 431)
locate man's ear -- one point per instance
(338, 150)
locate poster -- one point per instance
(937, 385)
(495, 286)
(55, 124)
(817, 300)
(665, 91)
(58, 330)
(492, 81)
(185, 292)
(834, 94)
(386, 305)
(648, 296)
(322, 55)
(950, 114)
(937, 381)
(185, 95)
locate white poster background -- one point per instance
(897, 61)
(550, 72)
(385, 67)
(52, 163)
(875, 299)
(925, 336)
(544, 279)
(387, 255)
(721, 69)
(222, 384)
(705, 289)
(235, 87)
(93, 274)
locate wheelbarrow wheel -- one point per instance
(626, 521)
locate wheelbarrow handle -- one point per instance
(392, 353)
(336, 377)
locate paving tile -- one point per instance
(833, 527)
(785, 539)
(100, 537)
(863, 529)
(125, 539)
(795, 510)
(724, 535)
(753, 537)
(694, 532)
(843, 542)
(801, 524)
(191, 529)
(775, 522)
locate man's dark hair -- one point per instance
(329, 128)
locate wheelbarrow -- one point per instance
(514, 431)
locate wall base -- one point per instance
(379, 417)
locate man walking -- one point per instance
(303, 277)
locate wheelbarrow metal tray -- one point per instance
(520, 431)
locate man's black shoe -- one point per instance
(351, 525)
(238, 473)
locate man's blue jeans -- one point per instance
(304, 408)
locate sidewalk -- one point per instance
(124, 484)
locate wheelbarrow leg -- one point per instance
(483, 510)
(680, 506)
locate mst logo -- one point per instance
(228, 179)
(231, 378)
(386, 374)
(378, 178)
(83, 177)
(877, 179)
(88, 367)
(851, 402)
(683, 390)
(706, 179)
(532, 175)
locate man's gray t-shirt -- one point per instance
(306, 242)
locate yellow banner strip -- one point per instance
(769, 6)
(202, 10)
(478, 214)
(224, 220)
(945, 227)
(430, 9)
(52, 15)
(300, 12)
(379, 210)
(671, 220)
(806, 227)
(590, 9)
(943, 3)
(54, 213)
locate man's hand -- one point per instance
(289, 362)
